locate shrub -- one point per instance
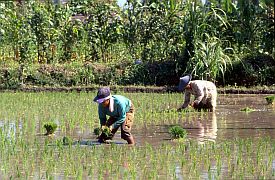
(251, 71)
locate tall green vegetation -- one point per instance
(203, 39)
(103, 27)
(209, 57)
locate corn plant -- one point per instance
(210, 59)
(103, 27)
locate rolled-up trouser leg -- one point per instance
(127, 126)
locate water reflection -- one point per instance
(202, 126)
(208, 128)
(10, 129)
(233, 123)
(178, 172)
(230, 121)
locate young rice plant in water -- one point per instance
(104, 130)
(177, 132)
(247, 109)
(50, 127)
(270, 99)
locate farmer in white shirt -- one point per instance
(205, 93)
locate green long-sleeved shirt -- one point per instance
(121, 107)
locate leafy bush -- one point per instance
(157, 73)
(9, 78)
(243, 73)
(251, 71)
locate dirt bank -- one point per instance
(151, 89)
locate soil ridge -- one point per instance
(144, 89)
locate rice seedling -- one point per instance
(50, 128)
(247, 109)
(97, 131)
(177, 132)
(67, 140)
(270, 99)
(104, 132)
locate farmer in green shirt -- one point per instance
(120, 111)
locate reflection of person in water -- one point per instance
(203, 127)
(208, 127)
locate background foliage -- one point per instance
(145, 42)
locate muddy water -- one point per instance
(228, 122)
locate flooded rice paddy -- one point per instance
(228, 122)
(226, 144)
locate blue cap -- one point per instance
(102, 94)
(184, 81)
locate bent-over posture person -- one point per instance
(120, 111)
(205, 93)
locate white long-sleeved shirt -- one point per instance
(202, 90)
